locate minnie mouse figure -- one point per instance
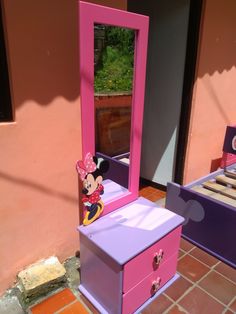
(91, 172)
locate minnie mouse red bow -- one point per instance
(86, 166)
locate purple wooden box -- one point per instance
(118, 171)
(112, 241)
(209, 223)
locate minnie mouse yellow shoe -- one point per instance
(94, 212)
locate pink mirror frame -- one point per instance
(89, 14)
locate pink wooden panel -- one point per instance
(88, 15)
(135, 297)
(145, 261)
(227, 160)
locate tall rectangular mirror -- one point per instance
(113, 86)
(113, 51)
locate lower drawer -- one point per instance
(135, 297)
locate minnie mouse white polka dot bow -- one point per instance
(86, 166)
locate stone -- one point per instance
(41, 277)
(72, 266)
(10, 305)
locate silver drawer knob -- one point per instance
(158, 257)
(156, 285)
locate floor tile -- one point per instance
(181, 253)
(233, 306)
(54, 302)
(151, 193)
(74, 308)
(158, 306)
(153, 197)
(199, 302)
(227, 271)
(219, 287)
(185, 245)
(144, 193)
(89, 305)
(177, 309)
(204, 257)
(148, 189)
(192, 268)
(178, 288)
(152, 189)
(161, 202)
(161, 194)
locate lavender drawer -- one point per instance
(144, 290)
(151, 259)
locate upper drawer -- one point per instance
(150, 260)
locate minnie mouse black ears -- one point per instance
(102, 164)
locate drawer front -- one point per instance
(134, 298)
(151, 259)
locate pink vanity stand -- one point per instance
(118, 264)
(128, 256)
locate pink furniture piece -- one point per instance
(227, 157)
(128, 256)
(89, 15)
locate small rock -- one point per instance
(41, 277)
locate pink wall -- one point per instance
(213, 104)
(38, 182)
(39, 208)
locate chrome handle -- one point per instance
(158, 257)
(156, 285)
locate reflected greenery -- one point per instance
(114, 59)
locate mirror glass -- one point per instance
(113, 86)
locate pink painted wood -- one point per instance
(227, 160)
(135, 297)
(145, 261)
(88, 15)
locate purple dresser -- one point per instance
(129, 256)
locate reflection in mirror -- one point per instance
(113, 83)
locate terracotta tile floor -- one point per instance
(206, 285)
(151, 193)
(64, 302)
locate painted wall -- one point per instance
(164, 83)
(213, 104)
(39, 208)
(38, 183)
